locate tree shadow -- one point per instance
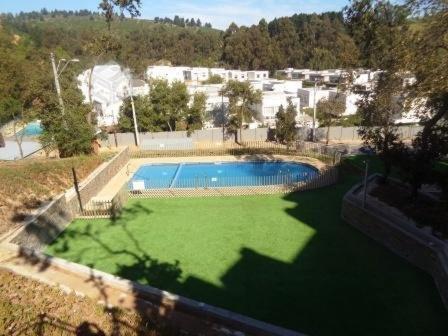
(340, 283)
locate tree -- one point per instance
(108, 9)
(147, 120)
(242, 98)
(195, 117)
(285, 127)
(214, 79)
(377, 27)
(329, 109)
(427, 59)
(169, 103)
(378, 130)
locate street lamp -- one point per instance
(134, 115)
(314, 111)
(57, 71)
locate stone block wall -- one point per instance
(54, 217)
(396, 232)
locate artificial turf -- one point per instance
(285, 259)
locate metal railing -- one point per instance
(244, 185)
(327, 154)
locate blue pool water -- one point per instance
(32, 129)
(200, 175)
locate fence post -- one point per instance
(75, 182)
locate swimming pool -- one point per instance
(32, 129)
(220, 174)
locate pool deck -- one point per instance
(125, 174)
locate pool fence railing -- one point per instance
(201, 186)
(328, 154)
(237, 186)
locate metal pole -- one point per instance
(75, 183)
(314, 112)
(56, 82)
(366, 175)
(134, 116)
(222, 111)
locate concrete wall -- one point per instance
(392, 229)
(337, 133)
(210, 135)
(52, 219)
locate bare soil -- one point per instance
(26, 185)
(28, 307)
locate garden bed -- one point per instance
(425, 211)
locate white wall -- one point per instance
(168, 73)
(306, 96)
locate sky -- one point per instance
(220, 13)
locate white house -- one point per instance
(212, 91)
(270, 104)
(310, 96)
(168, 73)
(236, 75)
(257, 75)
(349, 99)
(196, 74)
(110, 86)
(221, 72)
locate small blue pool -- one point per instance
(229, 174)
(32, 129)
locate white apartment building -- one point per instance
(257, 75)
(236, 75)
(287, 86)
(214, 98)
(110, 86)
(310, 96)
(198, 74)
(349, 99)
(270, 104)
(168, 73)
(221, 72)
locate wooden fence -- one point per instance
(284, 183)
(106, 208)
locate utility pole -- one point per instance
(314, 112)
(134, 116)
(366, 180)
(223, 119)
(56, 83)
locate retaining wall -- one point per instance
(395, 231)
(53, 218)
(190, 316)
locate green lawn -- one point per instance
(288, 260)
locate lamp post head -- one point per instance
(75, 60)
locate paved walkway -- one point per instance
(86, 284)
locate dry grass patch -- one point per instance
(28, 307)
(26, 185)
